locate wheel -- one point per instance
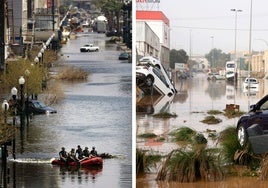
(242, 136)
(149, 81)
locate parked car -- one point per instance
(252, 128)
(124, 56)
(89, 48)
(215, 76)
(38, 107)
(251, 83)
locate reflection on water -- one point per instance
(153, 104)
(195, 97)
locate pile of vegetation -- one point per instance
(165, 115)
(72, 74)
(147, 135)
(196, 161)
(190, 165)
(233, 114)
(145, 161)
(183, 134)
(211, 120)
(214, 112)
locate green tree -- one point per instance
(217, 58)
(177, 56)
(33, 80)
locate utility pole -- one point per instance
(53, 15)
(2, 35)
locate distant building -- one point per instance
(159, 24)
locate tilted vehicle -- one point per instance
(161, 73)
(89, 48)
(151, 80)
(252, 128)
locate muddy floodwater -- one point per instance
(195, 97)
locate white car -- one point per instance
(151, 81)
(89, 48)
(156, 63)
(215, 76)
(251, 83)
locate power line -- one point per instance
(213, 28)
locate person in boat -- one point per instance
(63, 155)
(72, 156)
(79, 152)
(86, 152)
(93, 152)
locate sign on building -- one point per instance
(180, 66)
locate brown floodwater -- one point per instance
(195, 97)
(148, 181)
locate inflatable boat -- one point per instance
(94, 161)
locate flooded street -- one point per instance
(96, 112)
(195, 97)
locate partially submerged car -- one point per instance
(252, 128)
(251, 84)
(38, 107)
(89, 48)
(152, 78)
(215, 76)
(124, 56)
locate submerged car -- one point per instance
(38, 107)
(124, 56)
(89, 48)
(252, 128)
(158, 71)
(151, 80)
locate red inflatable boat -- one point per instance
(94, 161)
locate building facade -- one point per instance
(147, 42)
(159, 24)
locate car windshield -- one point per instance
(39, 104)
(264, 106)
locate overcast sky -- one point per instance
(211, 23)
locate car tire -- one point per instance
(149, 80)
(242, 136)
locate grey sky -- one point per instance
(211, 23)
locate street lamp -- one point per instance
(22, 115)
(249, 50)
(27, 73)
(40, 57)
(212, 46)
(5, 107)
(36, 60)
(236, 11)
(14, 93)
